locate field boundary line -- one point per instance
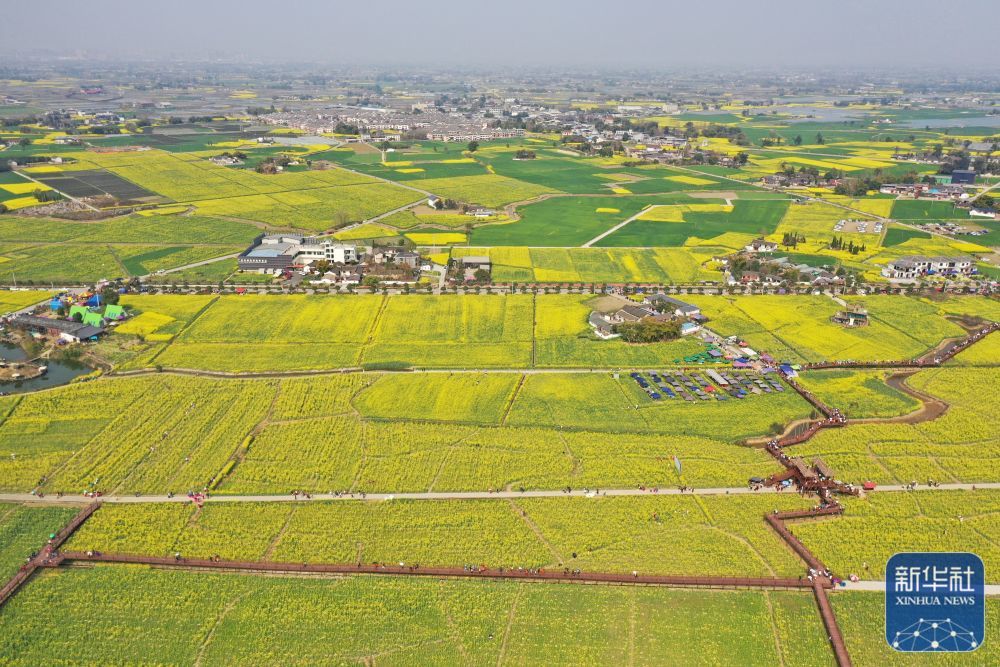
(513, 398)
(372, 332)
(184, 329)
(774, 628)
(203, 645)
(510, 623)
(281, 533)
(522, 514)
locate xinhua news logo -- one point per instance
(935, 602)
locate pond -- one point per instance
(58, 373)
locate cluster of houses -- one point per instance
(772, 271)
(388, 124)
(658, 307)
(345, 263)
(81, 321)
(914, 267)
(938, 192)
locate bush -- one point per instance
(648, 330)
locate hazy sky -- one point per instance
(653, 33)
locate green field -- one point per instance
(858, 394)
(24, 530)
(861, 617)
(749, 217)
(708, 535)
(183, 617)
(798, 328)
(597, 265)
(887, 523)
(959, 446)
(420, 432)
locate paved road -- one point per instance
(614, 229)
(191, 266)
(453, 495)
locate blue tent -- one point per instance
(55, 304)
(94, 300)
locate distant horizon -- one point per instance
(655, 36)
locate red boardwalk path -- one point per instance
(47, 556)
(558, 574)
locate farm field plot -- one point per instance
(486, 190)
(858, 394)
(606, 534)
(674, 225)
(87, 252)
(161, 316)
(815, 221)
(799, 327)
(59, 264)
(887, 523)
(960, 446)
(144, 260)
(601, 403)
(402, 621)
(561, 221)
(915, 209)
(305, 199)
(24, 530)
(182, 229)
(453, 331)
(93, 183)
(251, 332)
(861, 616)
(461, 397)
(596, 265)
(381, 455)
(172, 434)
(550, 169)
(16, 300)
(313, 209)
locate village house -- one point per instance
(912, 267)
(668, 304)
(469, 265)
(760, 245)
(855, 315)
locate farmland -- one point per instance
(401, 621)
(46, 250)
(799, 328)
(606, 534)
(890, 523)
(24, 530)
(960, 446)
(378, 433)
(858, 394)
(299, 332)
(596, 265)
(343, 435)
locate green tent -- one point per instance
(93, 319)
(83, 310)
(114, 312)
